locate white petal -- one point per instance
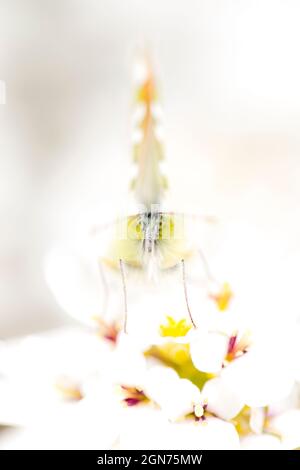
(258, 378)
(210, 434)
(44, 357)
(287, 425)
(222, 400)
(21, 404)
(126, 366)
(84, 426)
(75, 282)
(180, 400)
(176, 397)
(143, 427)
(290, 402)
(257, 420)
(261, 442)
(208, 350)
(34, 365)
(160, 381)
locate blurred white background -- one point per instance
(230, 77)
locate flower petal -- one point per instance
(213, 433)
(75, 282)
(222, 400)
(144, 428)
(176, 397)
(258, 378)
(208, 350)
(261, 442)
(287, 425)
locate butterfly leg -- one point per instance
(105, 287)
(185, 293)
(124, 293)
(206, 267)
(213, 284)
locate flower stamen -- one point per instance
(223, 297)
(133, 396)
(199, 411)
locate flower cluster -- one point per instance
(218, 386)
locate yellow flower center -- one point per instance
(174, 328)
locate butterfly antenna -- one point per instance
(124, 294)
(186, 294)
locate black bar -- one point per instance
(135, 459)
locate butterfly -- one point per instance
(152, 240)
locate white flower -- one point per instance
(144, 428)
(178, 398)
(260, 371)
(265, 374)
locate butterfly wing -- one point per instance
(182, 236)
(122, 239)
